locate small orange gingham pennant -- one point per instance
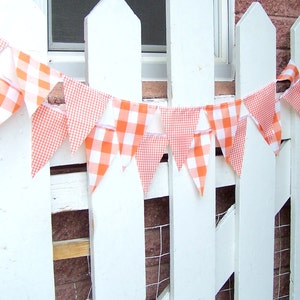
(290, 73)
(292, 96)
(132, 119)
(49, 130)
(36, 79)
(198, 157)
(10, 100)
(101, 148)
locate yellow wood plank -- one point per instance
(71, 248)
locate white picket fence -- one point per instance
(203, 256)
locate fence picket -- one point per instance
(26, 261)
(295, 190)
(255, 190)
(112, 35)
(192, 217)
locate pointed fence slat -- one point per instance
(26, 261)
(295, 189)
(192, 217)
(255, 190)
(112, 33)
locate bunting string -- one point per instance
(79, 120)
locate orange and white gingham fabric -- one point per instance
(11, 99)
(198, 158)
(36, 79)
(236, 155)
(101, 148)
(180, 125)
(85, 106)
(49, 130)
(131, 120)
(223, 120)
(148, 156)
(292, 96)
(3, 44)
(290, 73)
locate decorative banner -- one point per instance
(290, 73)
(3, 44)
(223, 119)
(198, 157)
(148, 156)
(85, 106)
(49, 130)
(292, 96)
(180, 125)
(132, 119)
(36, 79)
(101, 148)
(236, 154)
(10, 100)
(261, 106)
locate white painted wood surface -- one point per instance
(26, 265)
(192, 217)
(295, 189)
(112, 33)
(255, 190)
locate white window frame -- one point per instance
(154, 64)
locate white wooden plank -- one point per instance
(192, 217)
(255, 190)
(295, 190)
(112, 35)
(224, 173)
(26, 264)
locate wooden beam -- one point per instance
(71, 248)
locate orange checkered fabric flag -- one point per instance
(101, 148)
(36, 79)
(3, 44)
(290, 73)
(85, 106)
(198, 158)
(11, 99)
(148, 156)
(292, 96)
(261, 106)
(236, 155)
(131, 119)
(49, 130)
(180, 125)
(223, 120)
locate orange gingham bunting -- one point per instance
(36, 79)
(10, 99)
(148, 156)
(290, 73)
(3, 44)
(198, 157)
(131, 120)
(261, 106)
(49, 130)
(180, 125)
(223, 120)
(101, 148)
(85, 106)
(292, 96)
(236, 154)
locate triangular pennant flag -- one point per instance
(36, 79)
(101, 148)
(180, 125)
(10, 100)
(261, 106)
(85, 106)
(132, 119)
(236, 154)
(148, 156)
(3, 44)
(290, 73)
(198, 157)
(223, 120)
(49, 130)
(292, 96)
